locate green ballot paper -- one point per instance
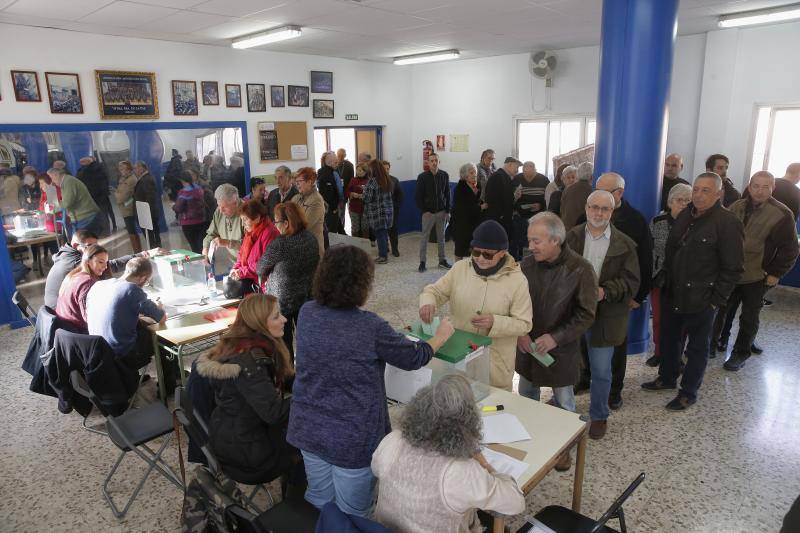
(544, 359)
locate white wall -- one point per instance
(377, 92)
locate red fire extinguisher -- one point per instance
(427, 150)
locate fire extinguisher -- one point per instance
(427, 150)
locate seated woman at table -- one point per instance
(259, 231)
(431, 473)
(250, 370)
(289, 264)
(71, 303)
(339, 413)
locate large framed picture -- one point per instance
(184, 97)
(26, 86)
(298, 95)
(122, 95)
(210, 91)
(256, 97)
(64, 90)
(277, 96)
(321, 82)
(323, 108)
(233, 95)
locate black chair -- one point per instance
(289, 516)
(564, 520)
(132, 431)
(27, 311)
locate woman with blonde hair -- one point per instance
(250, 372)
(71, 304)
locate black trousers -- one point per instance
(619, 363)
(393, 234)
(751, 297)
(154, 237)
(195, 233)
(288, 331)
(104, 203)
(697, 328)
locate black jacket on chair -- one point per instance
(109, 378)
(42, 342)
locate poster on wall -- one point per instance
(184, 97)
(64, 90)
(440, 143)
(233, 95)
(321, 82)
(459, 143)
(26, 86)
(126, 94)
(268, 145)
(210, 91)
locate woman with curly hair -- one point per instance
(432, 474)
(339, 413)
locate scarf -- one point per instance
(250, 239)
(489, 271)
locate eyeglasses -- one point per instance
(486, 255)
(600, 208)
(300, 180)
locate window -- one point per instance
(540, 140)
(777, 129)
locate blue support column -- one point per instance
(638, 38)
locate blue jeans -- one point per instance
(382, 236)
(564, 396)
(351, 489)
(600, 365)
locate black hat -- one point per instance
(510, 159)
(490, 235)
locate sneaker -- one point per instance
(381, 260)
(653, 361)
(597, 429)
(422, 267)
(657, 385)
(735, 362)
(756, 349)
(564, 462)
(680, 403)
(395, 253)
(444, 264)
(766, 303)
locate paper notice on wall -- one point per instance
(299, 152)
(459, 143)
(143, 215)
(266, 126)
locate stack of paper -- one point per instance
(503, 428)
(505, 464)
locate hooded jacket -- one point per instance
(503, 294)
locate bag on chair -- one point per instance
(207, 499)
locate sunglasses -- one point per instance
(486, 255)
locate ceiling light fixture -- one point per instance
(427, 57)
(761, 16)
(265, 37)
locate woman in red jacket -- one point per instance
(71, 304)
(259, 232)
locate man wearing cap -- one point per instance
(488, 295)
(500, 194)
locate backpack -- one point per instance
(208, 498)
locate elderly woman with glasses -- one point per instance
(466, 213)
(431, 473)
(488, 295)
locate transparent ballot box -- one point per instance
(179, 269)
(25, 223)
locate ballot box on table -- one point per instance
(26, 223)
(179, 269)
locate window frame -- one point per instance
(583, 118)
(773, 108)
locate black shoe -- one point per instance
(581, 387)
(653, 361)
(657, 385)
(615, 402)
(722, 346)
(395, 253)
(444, 264)
(756, 349)
(422, 267)
(680, 403)
(766, 303)
(735, 362)
(712, 352)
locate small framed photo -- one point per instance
(298, 95)
(323, 108)
(64, 91)
(256, 97)
(277, 96)
(210, 91)
(26, 86)
(126, 95)
(321, 82)
(233, 95)
(184, 97)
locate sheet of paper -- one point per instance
(299, 151)
(430, 329)
(503, 428)
(402, 385)
(505, 464)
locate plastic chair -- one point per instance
(131, 432)
(27, 311)
(564, 520)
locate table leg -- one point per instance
(162, 386)
(499, 524)
(181, 372)
(580, 461)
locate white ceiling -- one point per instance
(374, 30)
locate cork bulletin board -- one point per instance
(282, 141)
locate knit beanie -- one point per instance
(490, 235)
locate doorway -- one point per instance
(354, 140)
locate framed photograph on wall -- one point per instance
(321, 81)
(323, 108)
(210, 90)
(277, 96)
(123, 94)
(26, 86)
(184, 97)
(298, 95)
(233, 95)
(256, 97)
(64, 90)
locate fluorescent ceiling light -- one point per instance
(761, 16)
(427, 58)
(265, 37)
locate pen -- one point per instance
(490, 408)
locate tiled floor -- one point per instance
(728, 464)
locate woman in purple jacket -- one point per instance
(190, 211)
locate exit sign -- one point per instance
(351, 117)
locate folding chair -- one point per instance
(289, 516)
(132, 431)
(562, 520)
(27, 311)
(197, 429)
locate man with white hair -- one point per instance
(77, 202)
(612, 254)
(703, 261)
(283, 192)
(673, 165)
(573, 199)
(224, 235)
